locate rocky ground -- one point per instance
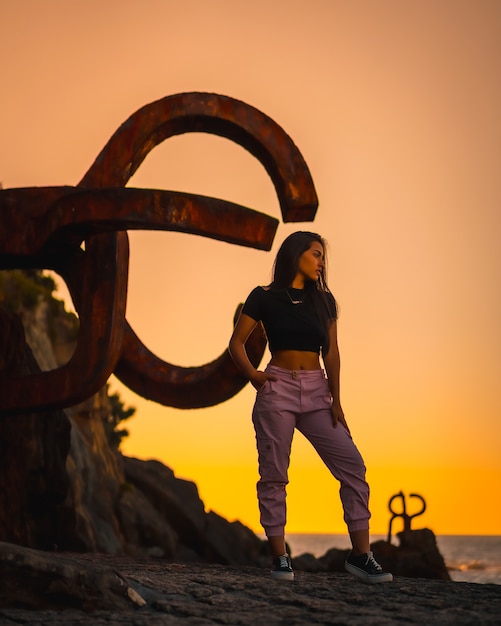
(202, 595)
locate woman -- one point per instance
(299, 315)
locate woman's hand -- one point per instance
(259, 378)
(338, 416)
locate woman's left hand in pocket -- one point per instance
(338, 416)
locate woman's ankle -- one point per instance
(277, 545)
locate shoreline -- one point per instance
(469, 558)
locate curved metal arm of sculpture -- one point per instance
(185, 387)
(61, 226)
(70, 215)
(218, 115)
(100, 337)
(138, 368)
(48, 238)
(423, 505)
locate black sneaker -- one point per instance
(282, 568)
(367, 568)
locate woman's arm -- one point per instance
(243, 328)
(332, 363)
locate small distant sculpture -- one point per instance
(403, 513)
(80, 232)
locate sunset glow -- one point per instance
(395, 106)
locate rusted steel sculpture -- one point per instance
(403, 514)
(44, 228)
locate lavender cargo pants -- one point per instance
(301, 399)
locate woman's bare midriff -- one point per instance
(295, 360)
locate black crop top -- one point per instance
(288, 326)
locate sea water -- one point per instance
(470, 558)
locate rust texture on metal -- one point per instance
(45, 227)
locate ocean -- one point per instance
(470, 558)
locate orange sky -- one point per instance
(395, 107)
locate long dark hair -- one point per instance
(285, 269)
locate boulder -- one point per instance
(232, 543)
(145, 531)
(30, 579)
(176, 500)
(204, 536)
(417, 556)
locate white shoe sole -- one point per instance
(385, 577)
(282, 575)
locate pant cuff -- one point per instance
(358, 525)
(275, 531)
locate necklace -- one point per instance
(290, 298)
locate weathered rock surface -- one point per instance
(197, 594)
(207, 536)
(417, 555)
(38, 580)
